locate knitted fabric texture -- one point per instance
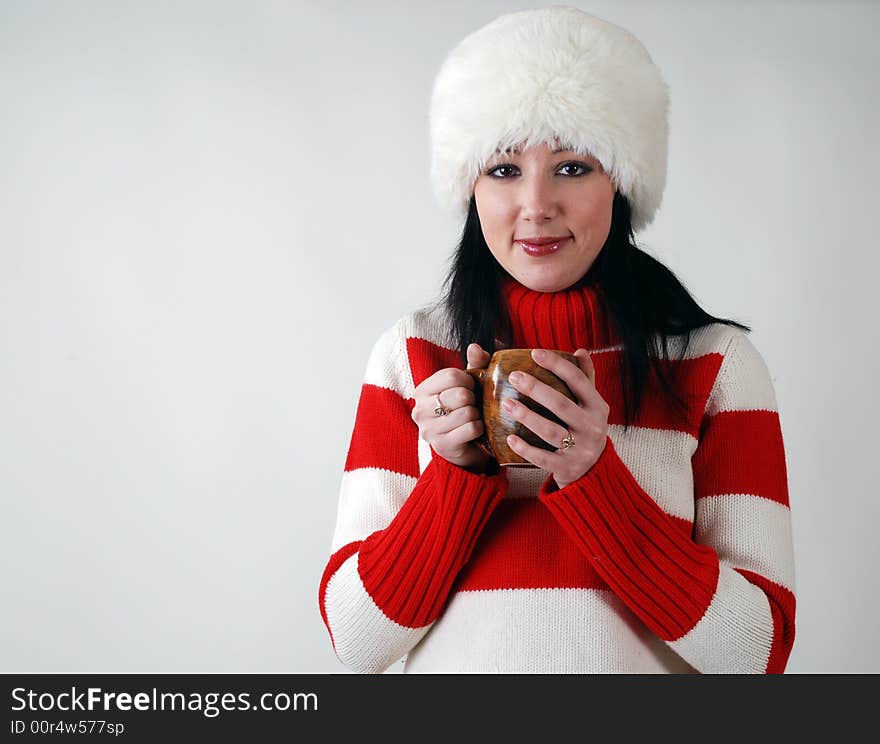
(672, 554)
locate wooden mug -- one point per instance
(491, 386)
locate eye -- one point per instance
(583, 166)
(493, 171)
(573, 169)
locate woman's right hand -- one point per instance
(451, 436)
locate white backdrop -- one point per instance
(209, 211)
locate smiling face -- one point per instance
(538, 193)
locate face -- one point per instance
(538, 193)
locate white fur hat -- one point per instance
(532, 76)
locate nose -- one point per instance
(538, 200)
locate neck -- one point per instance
(565, 320)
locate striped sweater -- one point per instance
(672, 554)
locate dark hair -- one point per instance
(645, 301)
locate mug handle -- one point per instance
(479, 376)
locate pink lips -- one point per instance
(538, 247)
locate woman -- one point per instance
(656, 536)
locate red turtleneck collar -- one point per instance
(563, 320)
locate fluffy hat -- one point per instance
(532, 76)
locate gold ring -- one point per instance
(567, 441)
(440, 410)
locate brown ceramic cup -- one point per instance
(491, 386)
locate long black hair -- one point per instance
(645, 301)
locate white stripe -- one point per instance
(749, 532)
(425, 454)
(368, 500)
(660, 461)
(365, 639)
(735, 634)
(430, 323)
(606, 349)
(743, 383)
(544, 631)
(710, 339)
(524, 483)
(388, 365)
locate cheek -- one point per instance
(594, 214)
(497, 218)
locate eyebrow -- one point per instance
(518, 151)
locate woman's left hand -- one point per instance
(587, 419)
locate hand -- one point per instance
(451, 436)
(587, 420)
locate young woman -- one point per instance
(656, 535)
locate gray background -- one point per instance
(209, 211)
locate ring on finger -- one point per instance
(440, 410)
(567, 441)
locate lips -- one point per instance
(537, 247)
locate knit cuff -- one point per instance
(644, 555)
(409, 567)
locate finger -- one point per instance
(477, 356)
(549, 431)
(455, 397)
(586, 365)
(461, 434)
(535, 455)
(585, 362)
(576, 377)
(442, 379)
(551, 399)
(441, 425)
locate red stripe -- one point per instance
(525, 312)
(409, 567)
(426, 358)
(543, 321)
(561, 320)
(523, 547)
(555, 343)
(641, 551)
(695, 380)
(782, 608)
(586, 325)
(570, 324)
(384, 436)
(741, 452)
(336, 560)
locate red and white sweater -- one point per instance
(673, 553)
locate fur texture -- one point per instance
(529, 77)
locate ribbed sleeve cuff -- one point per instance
(642, 553)
(409, 567)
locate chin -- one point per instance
(549, 283)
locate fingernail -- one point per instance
(516, 377)
(538, 354)
(508, 405)
(511, 440)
